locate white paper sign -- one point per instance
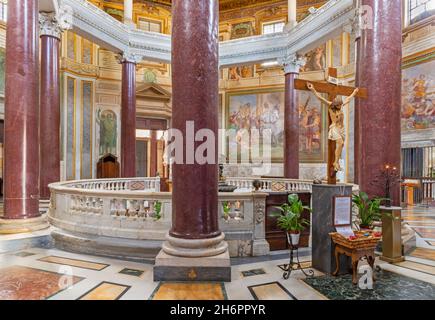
(342, 211)
(345, 231)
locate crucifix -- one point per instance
(336, 135)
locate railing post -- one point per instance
(157, 184)
(260, 246)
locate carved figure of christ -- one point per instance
(336, 117)
(336, 129)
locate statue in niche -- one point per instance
(336, 129)
(107, 121)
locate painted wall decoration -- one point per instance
(312, 128)
(257, 110)
(316, 59)
(2, 70)
(71, 128)
(337, 44)
(107, 132)
(418, 96)
(71, 45)
(242, 30)
(87, 51)
(86, 166)
(264, 109)
(241, 72)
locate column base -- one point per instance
(195, 248)
(260, 247)
(193, 260)
(392, 260)
(172, 268)
(44, 204)
(11, 226)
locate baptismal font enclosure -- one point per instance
(117, 217)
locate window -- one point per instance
(273, 27)
(3, 11)
(149, 25)
(420, 9)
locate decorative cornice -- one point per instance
(88, 70)
(292, 63)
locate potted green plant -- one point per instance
(368, 209)
(290, 218)
(157, 210)
(226, 208)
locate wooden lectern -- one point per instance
(108, 167)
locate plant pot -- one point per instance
(366, 228)
(294, 238)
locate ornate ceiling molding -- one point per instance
(93, 23)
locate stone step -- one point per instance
(119, 248)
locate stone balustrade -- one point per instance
(129, 210)
(128, 184)
(111, 216)
(244, 184)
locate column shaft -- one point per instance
(291, 125)
(128, 11)
(153, 153)
(195, 98)
(22, 111)
(378, 117)
(128, 120)
(49, 114)
(292, 12)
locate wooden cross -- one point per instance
(333, 91)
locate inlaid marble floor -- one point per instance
(422, 220)
(38, 273)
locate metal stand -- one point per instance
(288, 268)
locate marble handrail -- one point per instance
(107, 208)
(244, 184)
(128, 184)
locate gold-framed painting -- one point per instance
(418, 91)
(264, 109)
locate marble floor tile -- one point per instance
(132, 272)
(388, 286)
(24, 283)
(189, 291)
(24, 254)
(306, 264)
(425, 232)
(270, 291)
(417, 267)
(123, 280)
(253, 272)
(423, 253)
(74, 263)
(105, 291)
